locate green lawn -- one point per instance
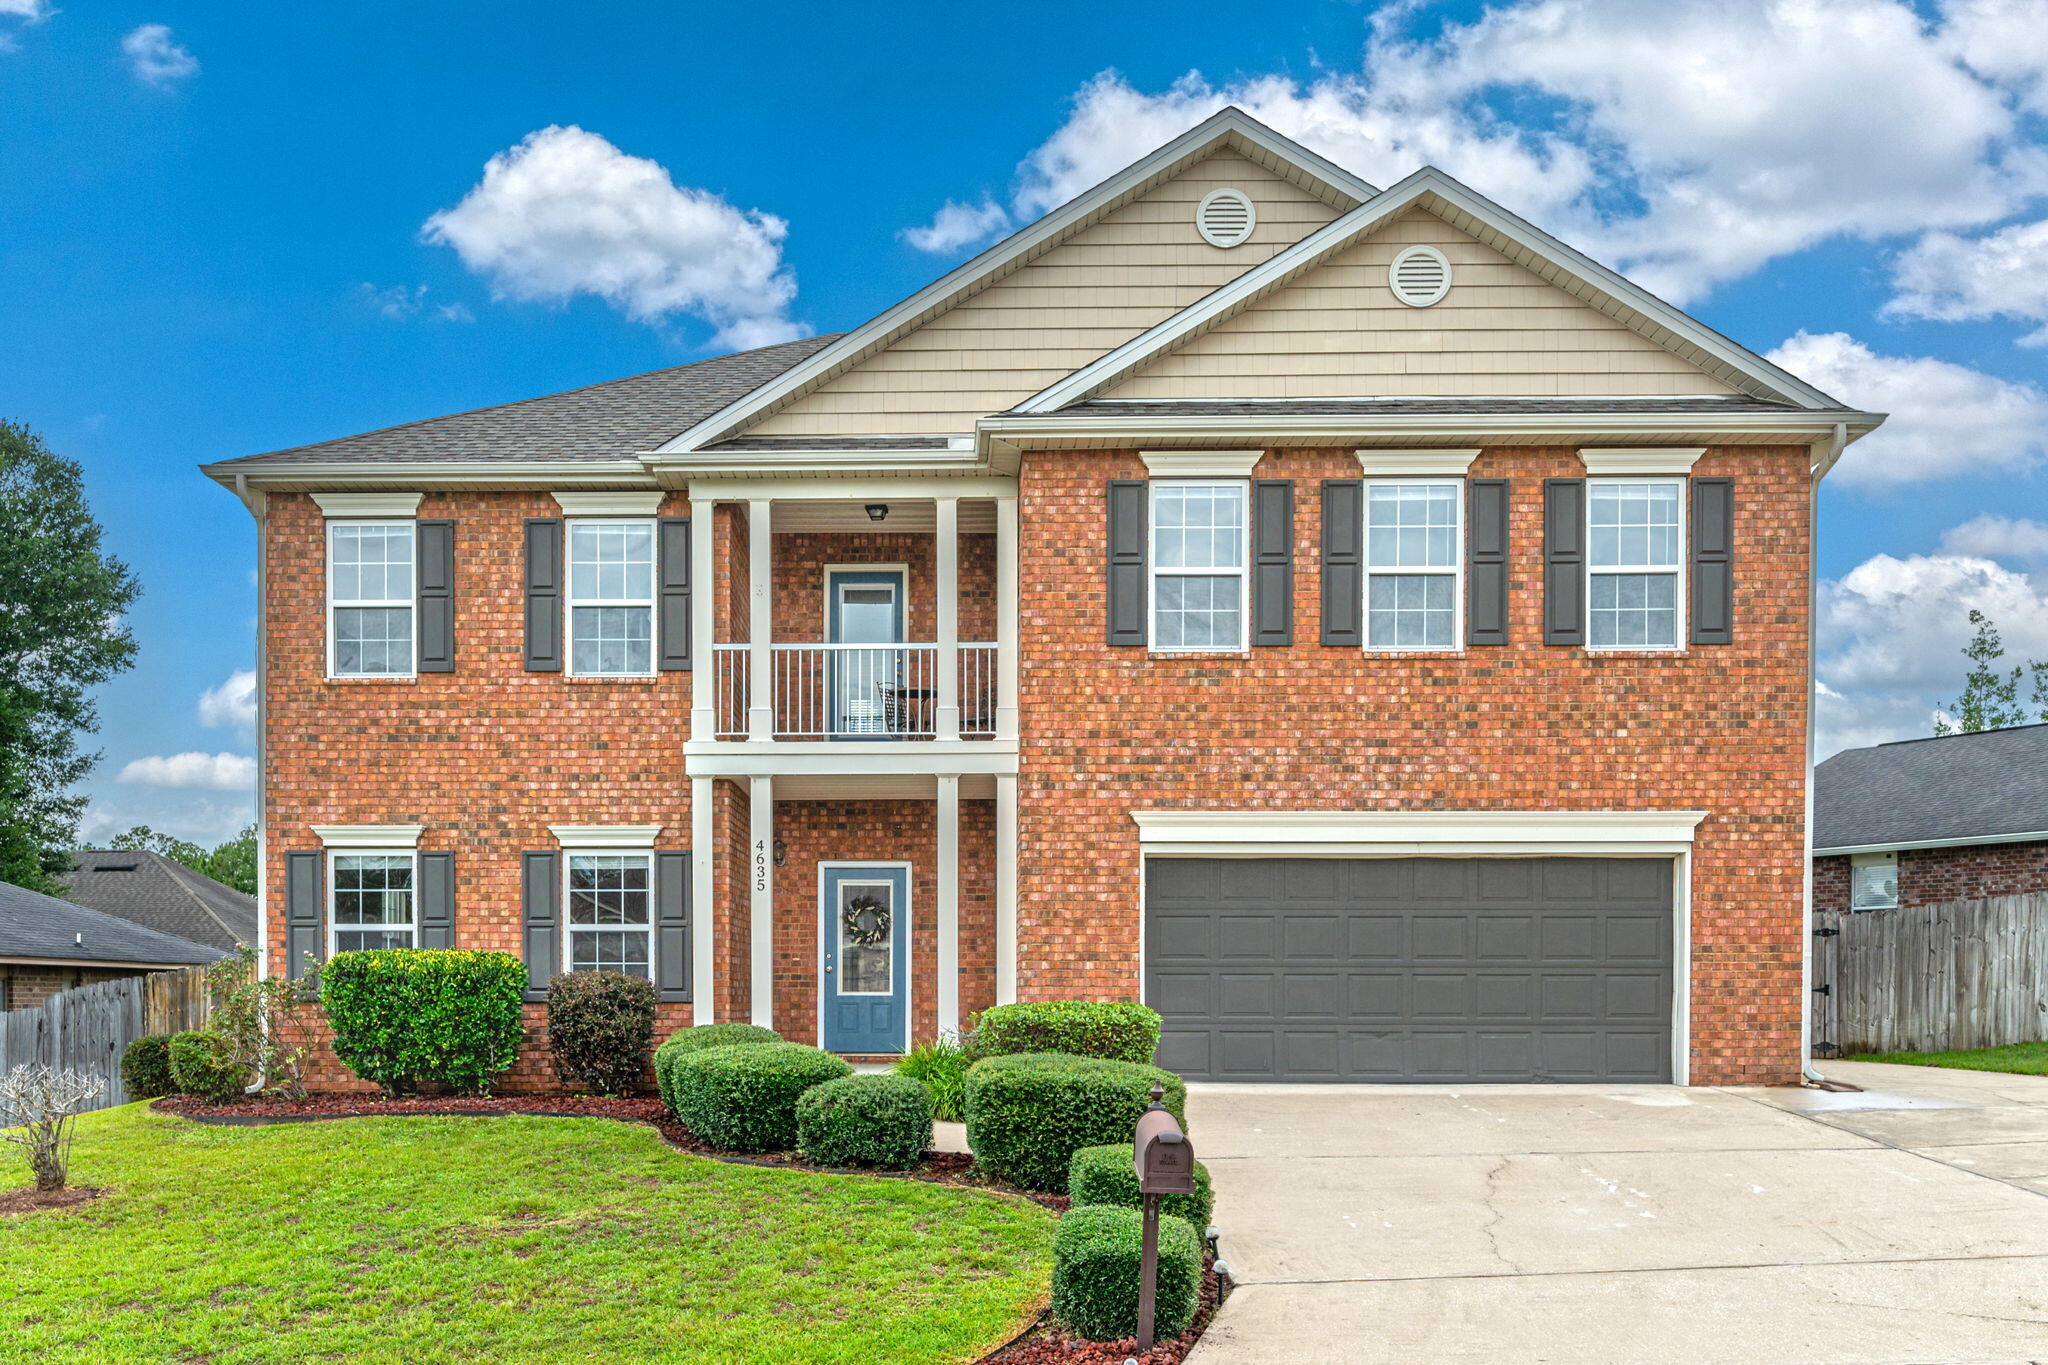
(528, 1239)
(2026, 1059)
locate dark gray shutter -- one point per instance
(1564, 561)
(437, 900)
(544, 594)
(305, 910)
(672, 924)
(1126, 614)
(1486, 562)
(1272, 561)
(1713, 561)
(434, 596)
(1344, 562)
(540, 899)
(672, 613)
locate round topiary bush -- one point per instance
(203, 1064)
(601, 1028)
(883, 1121)
(1119, 1030)
(1028, 1114)
(146, 1067)
(742, 1097)
(683, 1042)
(1095, 1259)
(1104, 1175)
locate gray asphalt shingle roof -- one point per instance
(1960, 787)
(45, 928)
(150, 890)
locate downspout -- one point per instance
(258, 504)
(1836, 441)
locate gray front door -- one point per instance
(1411, 969)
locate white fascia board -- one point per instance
(368, 836)
(634, 504)
(1416, 832)
(605, 836)
(1281, 426)
(1967, 841)
(1200, 464)
(1605, 460)
(883, 488)
(799, 464)
(401, 505)
(1443, 464)
(415, 474)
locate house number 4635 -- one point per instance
(760, 865)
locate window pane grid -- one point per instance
(1198, 558)
(373, 901)
(370, 598)
(1634, 548)
(1413, 562)
(611, 908)
(611, 598)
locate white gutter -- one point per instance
(1961, 841)
(1279, 426)
(1836, 442)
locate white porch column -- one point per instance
(1006, 618)
(760, 619)
(703, 662)
(703, 900)
(1006, 889)
(946, 556)
(949, 904)
(761, 886)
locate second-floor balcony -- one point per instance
(858, 691)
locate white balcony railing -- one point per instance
(856, 691)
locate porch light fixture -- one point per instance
(781, 850)
(877, 510)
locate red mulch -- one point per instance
(31, 1201)
(1049, 1344)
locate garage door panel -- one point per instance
(1248, 938)
(1439, 1056)
(1643, 1056)
(1570, 938)
(1505, 938)
(1312, 995)
(1178, 994)
(1439, 938)
(1639, 937)
(1247, 995)
(1312, 1054)
(1377, 937)
(1641, 996)
(1242, 1053)
(1378, 995)
(1569, 880)
(1440, 996)
(1501, 996)
(1313, 937)
(1503, 1056)
(1508, 879)
(1185, 1051)
(1172, 936)
(1647, 880)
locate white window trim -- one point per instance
(1153, 572)
(411, 604)
(636, 504)
(1863, 860)
(1201, 464)
(1455, 571)
(570, 601)
(361, 838)
(1434, 464)
(606, 838)
(1614, 461)
(334, 926)
(1677, 572)
(570, 930)
(369, 506)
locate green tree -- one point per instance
(61, 634)
(1991, 695)
(232, 863)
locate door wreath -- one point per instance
(865, 921)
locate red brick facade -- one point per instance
(1929, 876)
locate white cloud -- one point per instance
(567, 213)
(956, 225)
(213, 772)
(28, 11)
(2005, 41)
(1946, 419)
(1995, 537)
(205, 820)
(156, 59)
(1959, 279)
(400, 302)
(231, 702)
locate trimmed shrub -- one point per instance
(883, 1121)
(685, 1041)
(203, 1064)
(601, 1028)
(1120, 1031)
(1095, 1258)
(940, 1067)
(742, 1097)
(403, 1017)
(146, 1067)
(1027, 1115)
(1104, 1175)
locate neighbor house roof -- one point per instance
(150, 890)
(1986, 787)
(42, 928)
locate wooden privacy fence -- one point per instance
(86, 1028)
(1934, 978)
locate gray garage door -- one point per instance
(1411, 969)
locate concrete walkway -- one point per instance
(1632, 1223)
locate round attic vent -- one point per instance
(1225, 217)
(1420, 276)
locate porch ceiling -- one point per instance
(802, 516)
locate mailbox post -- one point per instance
(1165, 1163)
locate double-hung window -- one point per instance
(1634, 556)
(1873, 881)
(1413, 549)
(1199, 532)
(370, 626)
(611, 913)
(374, 900)
(611, 598)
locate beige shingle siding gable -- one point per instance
(1340, 332)
(1109, 282)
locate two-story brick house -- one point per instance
(1348, 619)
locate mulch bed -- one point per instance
(1047, 1343)
(33, 1201)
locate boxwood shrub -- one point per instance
(203, 1064)
(1104, 1175)
(403, 1017)
(1095, 1258)
(601, 1028)
(685, 1041)
(1028, 1114)
(146, 1067)
(882, 1121)
(742, 1097)
(1120, 1031)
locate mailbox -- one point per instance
(1161, 1153)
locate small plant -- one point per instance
(601, 1028)
(941, 1068)
(1120, 1031)
(262, 1019)
(742, 1097)
(37, 1106)
(203, 1064)
(1105, 1175)
(403, 1017)
(146, 1067)
(880, 1121)
(1095, 1260)
(1027, 1115)
(697, 1038)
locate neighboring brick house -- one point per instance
(1922, 821)
(150, 890)
(1348, 619)
(49, 945)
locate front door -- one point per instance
(864, 983)
(864, 618)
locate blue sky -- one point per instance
(215, 240)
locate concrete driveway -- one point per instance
(1632, 1223)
